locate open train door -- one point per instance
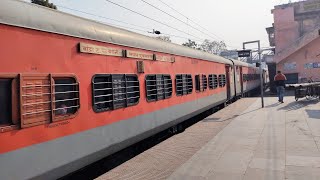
(228, 82)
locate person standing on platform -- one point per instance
(279, 80)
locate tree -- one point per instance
(44, 3)
(191, 44)
(213, 47)
(164, 38)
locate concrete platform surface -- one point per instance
(278, 142)
(160, 161)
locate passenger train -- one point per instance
(73, 90)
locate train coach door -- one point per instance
(241, 79)
(228, 81)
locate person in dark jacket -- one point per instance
(279, 80)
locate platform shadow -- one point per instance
(273, 105)
(314, 114)
(298, 105)
(234, 116)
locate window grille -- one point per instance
(167, 86)
(222, 80)
(184, 84)
(204, 82)
(201, 82)
(45, 97)
(66, 97)
(190, 83)
(245, 77)
(113, 91)
(213, 81)
(158, 87)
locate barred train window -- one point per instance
(222, 80)
(201, 83)
(158, 87)
(213, 81)
(47, 96)
(184, 84)
(244, 77)
(204, 82)
(113, 91)
(66, 97)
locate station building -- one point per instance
(295, 34)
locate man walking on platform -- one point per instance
(279, 81)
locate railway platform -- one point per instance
(241, 141)
(280, 141)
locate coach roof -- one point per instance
(27, 15)
(240, 63)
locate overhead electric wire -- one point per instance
(191, 20)
(172, 35)
(176, 18)
(151, 19)
(101, 16)
(125, 27)
(197, 39)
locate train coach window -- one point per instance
(5, 102)
(167, 86)
(201, 83)
(158, 87)
(184, 84)
(213, 81)
(198, 83)
(204, 82)
(222, 80)
(244, 77)
(151, 87)
(66, 96)
(257, 76)
(133, 90)
(113, 91)
(189, 83)
(46, 98)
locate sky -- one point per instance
(231, 21)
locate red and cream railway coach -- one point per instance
(244, 78)
(73, 90)
(251, 78)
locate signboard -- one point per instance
(244, 53)
(290, 66)
(139, 55)
(311, 5)
(312, 65)
(268, 58)
(108, 51)
(101, 50)
(308, 66)
(229, 54)
(316, 65)
(165, 58)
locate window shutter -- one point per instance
(35, 97)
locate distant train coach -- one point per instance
(73, 91)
